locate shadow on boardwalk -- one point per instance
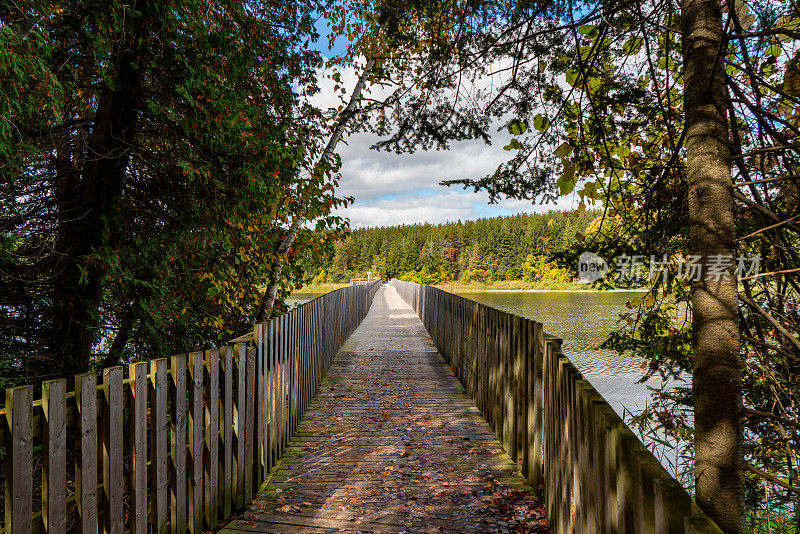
(392, 444)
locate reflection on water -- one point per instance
(583, 320)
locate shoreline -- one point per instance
(325, 288)
(461, 290)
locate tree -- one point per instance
(148, 173)
(716, 380)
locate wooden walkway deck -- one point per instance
(392, 444)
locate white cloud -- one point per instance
(437, 206)
(392, 189)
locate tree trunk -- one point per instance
(716, 381)
(84, 229)
(268, 300)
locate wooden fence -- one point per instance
(178, 445)
(595, 474)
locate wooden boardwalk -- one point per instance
(392, 444)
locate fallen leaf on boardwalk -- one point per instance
(289, 508)
(406, 454)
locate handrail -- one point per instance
(596, 475)
(198, 432)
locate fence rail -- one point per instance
(179, 445)
(595, 474)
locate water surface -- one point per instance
(296, 299)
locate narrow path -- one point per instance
(392, 444)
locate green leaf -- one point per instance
(633, 45)
(564, 149)
(513, 145)
(566, 183)
(774, 50)
(517, 127)
(571, 75)
(541, 123)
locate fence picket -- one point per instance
(86, 469)
(195, 435)
(137, 430)
(54, 451)
(19, 460)
(112, 444)
(159, 446)
(178, 487)
(211, 441)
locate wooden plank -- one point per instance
(260, 415)
(178, 487)
(250, 458)
(137, 439)
(508, 384)
(211, 453)
(672, 504)
(627, 482)
(239, 432)
(272, 396)
(585, 457)
(112, 520)
(159, 446)
(86, 466)
(284, 363)
(195, 435)
(19, 460)
(54, 456)
(600, 444)
(610, 470)
(226, 432)
(649, 471)
(292, 368)
(519, 402)
(536, 407)
(700, 524)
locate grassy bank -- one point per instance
(320, 288)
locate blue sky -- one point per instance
(392, 189)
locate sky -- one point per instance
(391, 189)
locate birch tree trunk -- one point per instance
(268, 300)
(716, 381)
